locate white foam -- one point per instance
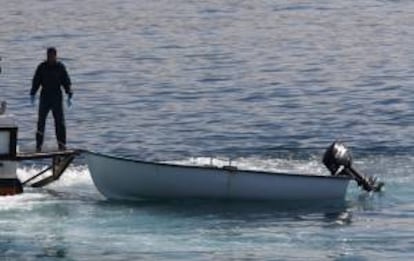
(20, 202)
(75, 182)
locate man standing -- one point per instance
(51, 75)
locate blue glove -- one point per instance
(69, 102)
(32, 100)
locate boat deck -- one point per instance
(21, 156)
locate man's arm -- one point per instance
(66, 82)
(37, 79)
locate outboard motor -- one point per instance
(338, 160)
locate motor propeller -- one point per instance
(338, 160)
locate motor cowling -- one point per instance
(337, 158)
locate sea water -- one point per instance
(265, 84)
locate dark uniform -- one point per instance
(51, 76)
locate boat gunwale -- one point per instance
(270, 173)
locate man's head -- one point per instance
(51, 55)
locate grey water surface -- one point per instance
(268, 84)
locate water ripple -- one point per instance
(263, 81)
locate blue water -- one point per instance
(268, 84)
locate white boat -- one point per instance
(126, 179)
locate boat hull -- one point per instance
(125, 179)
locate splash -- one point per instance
(75, 183)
